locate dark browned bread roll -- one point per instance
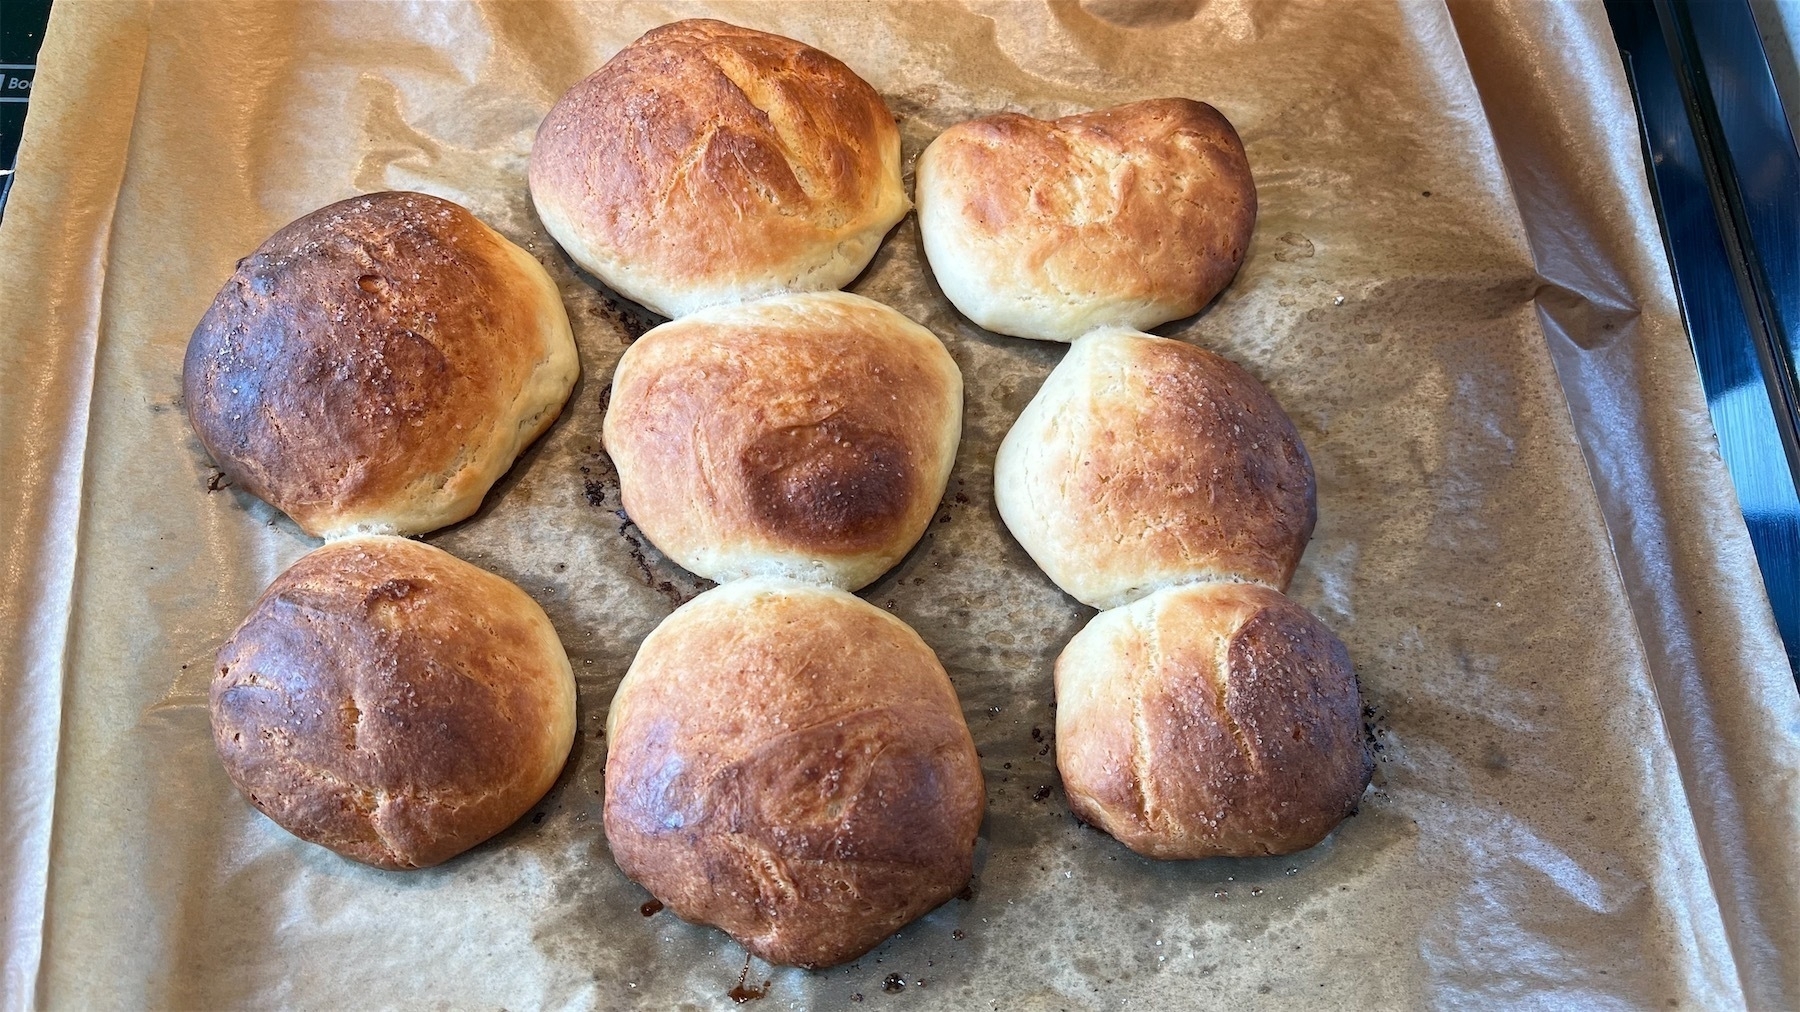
(790, 764)
(1211, 720)
(376, 365)
(1126, 217)
(393, 703)
(807, 436)
(1145, 462)
(706, 163)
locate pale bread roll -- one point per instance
(1126, 217)
(808, 436)
(393, 703)
(706, 163)
(790, 763)
(1144, 462)
(1210, 720)
(376, 365)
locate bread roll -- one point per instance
(808, 436)
(790, 764)
(376, 365)
(1144, 462)
(1210, 720)
(393, 703)
(1126, 217)
(706, 163)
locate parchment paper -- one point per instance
(1589, 784)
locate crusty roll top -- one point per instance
(808, 436)
(1125, 217)
(1144, 462)
(392, 702)
(791, 764)
(377, 364)
(1210, 720)
(706, 163)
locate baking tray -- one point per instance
(1586, 792)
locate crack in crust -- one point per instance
(1219, 676)
(1141, 769)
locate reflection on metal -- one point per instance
(1726, 178)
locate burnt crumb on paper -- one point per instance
(646, 574)
(1375, 731)
(600, 486)
(745, 992)
(599, 480)
(629, 319)
(748, 992)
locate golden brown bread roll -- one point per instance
(1210, 720)
(393, 703)
(1126, 217)
(376, 365)
(706, 163)
(790, 764)
(1144, 462)
(807, 436)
